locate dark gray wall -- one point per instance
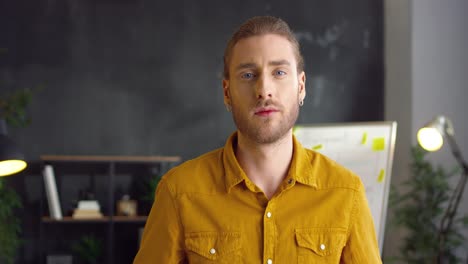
(143, 77)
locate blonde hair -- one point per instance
(262, 25)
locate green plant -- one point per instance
(13, 108)
(152, 184)
(88, 249)
(9, 224)
(419, 210)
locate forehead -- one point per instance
(263, 49)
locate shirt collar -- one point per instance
(301, 166)
(233, 171)
(301, 169)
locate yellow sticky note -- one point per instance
(378, 144)
(295, 129)
(317, 147)
(364, 138)
(381, 176)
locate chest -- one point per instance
(302, 223)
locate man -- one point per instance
(262, 198)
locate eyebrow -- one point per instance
(250, 65)
(279, 63)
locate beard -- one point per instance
(267, 130)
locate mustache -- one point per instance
(268, 102)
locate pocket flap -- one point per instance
(322, 241)
(213, 245)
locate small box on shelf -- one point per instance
(126, 207)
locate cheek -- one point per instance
(243, 93)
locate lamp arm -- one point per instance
(454, 201)
(457, 153)
(452, 208)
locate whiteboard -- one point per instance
(366, 149)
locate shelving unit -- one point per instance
(107, 169)
(69, 219)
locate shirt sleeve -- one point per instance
(162, 240)
(362, 246)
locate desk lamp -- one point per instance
(431, 138)
(11, 158)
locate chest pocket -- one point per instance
(320, 245)
(213, 247)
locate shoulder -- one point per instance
(196, 175)
(327, 173)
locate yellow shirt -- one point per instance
(208, 211)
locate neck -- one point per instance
(266, 165)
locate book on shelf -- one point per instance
(88, 205)
(55, 211)
(86, 213)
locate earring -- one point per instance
(301, 103)
(228, 107)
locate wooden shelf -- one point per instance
(142, 159)
(139, 218)
(104, 219)
(93, 166)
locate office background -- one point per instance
(426, 74)
(144, 77)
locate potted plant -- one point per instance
(419, 210)
(88, 249)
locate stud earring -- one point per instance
(301, 103)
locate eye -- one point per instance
(280, 73)
(247, 75)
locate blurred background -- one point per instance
(144, 78)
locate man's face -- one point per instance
(264, 88)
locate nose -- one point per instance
(264, 89)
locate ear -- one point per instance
(302, 81)
(227, 94)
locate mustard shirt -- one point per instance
(208, 211)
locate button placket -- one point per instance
(269, 232)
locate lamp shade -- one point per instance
(431, 136)
(11, 158)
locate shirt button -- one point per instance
(212, 251)
(269, 261)
(290, 181)
(268, 214)
(322, 246)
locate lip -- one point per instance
(265, 111)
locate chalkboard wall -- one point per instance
(141, 77)
(144, 77)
